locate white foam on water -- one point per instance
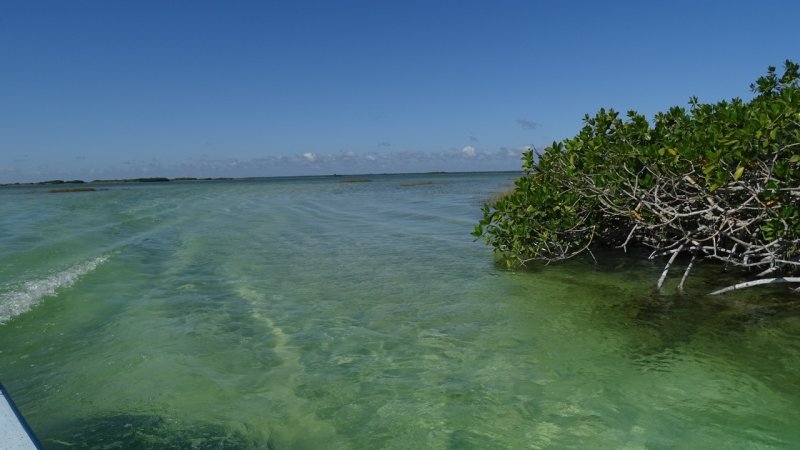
(28, 295)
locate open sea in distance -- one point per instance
(310, 313)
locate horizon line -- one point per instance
(181, 178)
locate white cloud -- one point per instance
(469, 151)
(309, 156)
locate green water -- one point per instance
(311, 313)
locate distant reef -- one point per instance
(109, 181)
(75, 189)
(135, 180)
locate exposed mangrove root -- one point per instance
(686, 272)
(748, 284)
(666, 268)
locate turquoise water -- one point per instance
(312, 313)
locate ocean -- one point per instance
(358, 312)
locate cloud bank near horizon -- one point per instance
(468, 158)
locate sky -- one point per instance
(123, 89)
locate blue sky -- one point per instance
(106, 89)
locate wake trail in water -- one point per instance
(297, 409)
(31, 293)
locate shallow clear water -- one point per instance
(311, 313)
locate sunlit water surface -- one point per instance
(316, 313)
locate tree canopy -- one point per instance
(717, 181)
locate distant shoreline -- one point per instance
(197, 179)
